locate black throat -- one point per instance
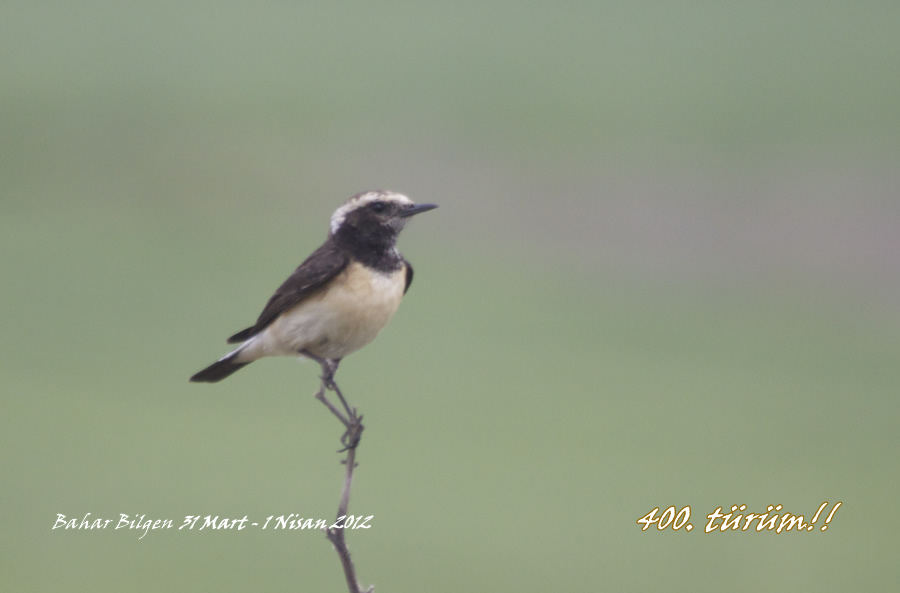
(374, 247)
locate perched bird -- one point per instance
(338, 300)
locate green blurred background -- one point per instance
(665, 271)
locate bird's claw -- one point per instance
(350, 438)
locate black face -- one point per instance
(378, 207)
(369, 231)
(382, 213)
(377, 223)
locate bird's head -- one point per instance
(375, 216)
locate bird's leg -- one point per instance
(329, 368)
(354, 425)
(352, 421)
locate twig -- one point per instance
(336, 536)
(350, 439)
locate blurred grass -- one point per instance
(663, 273)
(513, 416)
(762, 79)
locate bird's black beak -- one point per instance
(416, 209)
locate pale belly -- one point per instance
(335, 322)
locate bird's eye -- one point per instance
(378, 207)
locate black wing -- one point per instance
(409, 275)
(325, 263)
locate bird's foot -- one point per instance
(328, 383)
(350, 438)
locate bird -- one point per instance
(339, 298)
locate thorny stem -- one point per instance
(350, 439)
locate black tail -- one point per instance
(219, 370)
(242, 336)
